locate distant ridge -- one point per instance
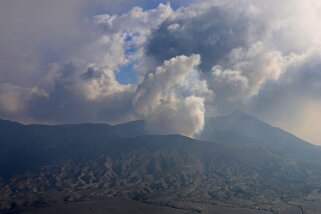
(240, 127)
(131, 129)
(42, 164)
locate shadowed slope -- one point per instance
(240, 127)
(93, 161)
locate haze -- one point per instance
(174, 64)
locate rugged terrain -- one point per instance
(55, 167)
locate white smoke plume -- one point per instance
(168, 99)
(201, 60)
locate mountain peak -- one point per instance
(240, 113)
(131, 129)
(240, 127)
(6, 122)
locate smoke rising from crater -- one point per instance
(181, 64)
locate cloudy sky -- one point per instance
(172, 63)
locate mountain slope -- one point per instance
(51, 164)
(240, 127)
(27, 147)
(161, 169)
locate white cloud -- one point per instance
(83, 55)
(56, 57)
(185, 116)
(167, 102)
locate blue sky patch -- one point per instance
(127, 74)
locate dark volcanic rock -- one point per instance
(48, 164)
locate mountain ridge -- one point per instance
(74, 163)
(243, 125)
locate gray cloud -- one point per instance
(254, 56)
(62, 63)
(59, 62)
(212, 34)
(291, 102)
